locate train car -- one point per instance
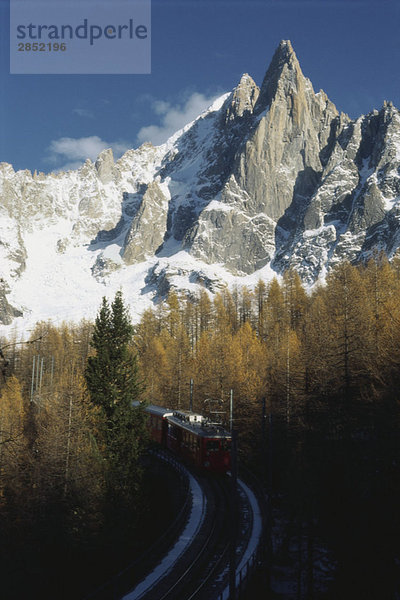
(191, 437)
(157, 423)
(199, 442)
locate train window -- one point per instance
(171, 431)
(212, 445)
(226, 445)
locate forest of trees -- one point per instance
(327, 362)
(301, 351)
(70, 443)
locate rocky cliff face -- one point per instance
(278, 164)
(267, 178)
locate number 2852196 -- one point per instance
(42, 47)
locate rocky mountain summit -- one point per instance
(267, 178)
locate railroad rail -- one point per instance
(209, 554)
(203, 573)
(197, 566)
(154, 585)
(254, 551)
(116, 587)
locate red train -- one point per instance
(192, 437)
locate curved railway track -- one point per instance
(198, 564)
(202, 573)
(197, 567)
(206, 562)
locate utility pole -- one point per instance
(68, 445)
(231, 412)
(41, 376)
(288, 391)
(266, 464)
(40, 384)
(52, 374)
(37, 376)
(33, 378)
(269, 506)
(234, 510)
(264, 434)
(191, 396)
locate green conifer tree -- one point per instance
(113, 382)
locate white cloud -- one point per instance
(83, 112)
(173, 118)
(161, 107)
(72, 152)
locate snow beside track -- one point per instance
(254, 539)
(197, 515)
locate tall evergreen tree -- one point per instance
(97, 372)
(113, 383)
(111, 374)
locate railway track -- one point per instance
(243, 523)
(197, 567)
(213, 556)
(202, 573)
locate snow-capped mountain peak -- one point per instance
(264, 179)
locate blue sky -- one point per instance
(200, 48)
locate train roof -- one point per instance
(197, 424)
(158, 410)
(190, 421)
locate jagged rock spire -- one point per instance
(105, 165)
(284, 66)
(244, 97)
